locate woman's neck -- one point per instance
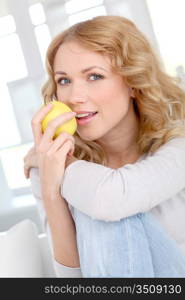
(121, 151)
(120, 144)
(127, 156)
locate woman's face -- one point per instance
(86, 83)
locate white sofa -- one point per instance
(24, 252)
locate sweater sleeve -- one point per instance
(111, 194)
(60, 270)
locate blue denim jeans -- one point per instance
(135, 246)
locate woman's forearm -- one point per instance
(114, 194)
(63, 230)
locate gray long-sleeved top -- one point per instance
(155, 183)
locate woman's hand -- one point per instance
(30, 161)
(51, 154)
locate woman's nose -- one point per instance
(78, 94)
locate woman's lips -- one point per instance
(86, 120)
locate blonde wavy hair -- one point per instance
(159, 101)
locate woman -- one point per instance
(128, 153)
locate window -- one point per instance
(43, 39)
(87, 14)
(9, 131)
(169, 23)
(41, 29)
(12, 161)
(74, 6)
(83, 10)
(37, 14)
(13, 67)
(7, 25)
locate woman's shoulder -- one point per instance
(173, 145)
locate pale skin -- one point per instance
(85, 82)
(50, 158)
(81, 86)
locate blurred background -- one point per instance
(26, 29)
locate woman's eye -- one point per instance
(63, 81)
(95, 77)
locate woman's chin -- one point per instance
(88, 137)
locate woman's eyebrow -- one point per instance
(92, 67)
(60, 73)
(83, 71)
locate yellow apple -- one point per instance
(58, 109)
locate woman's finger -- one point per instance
(31, 150)
(66, 148)
(26, 172)
(59, 141)
(47, 138)
(70, 153)
(36, 122)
